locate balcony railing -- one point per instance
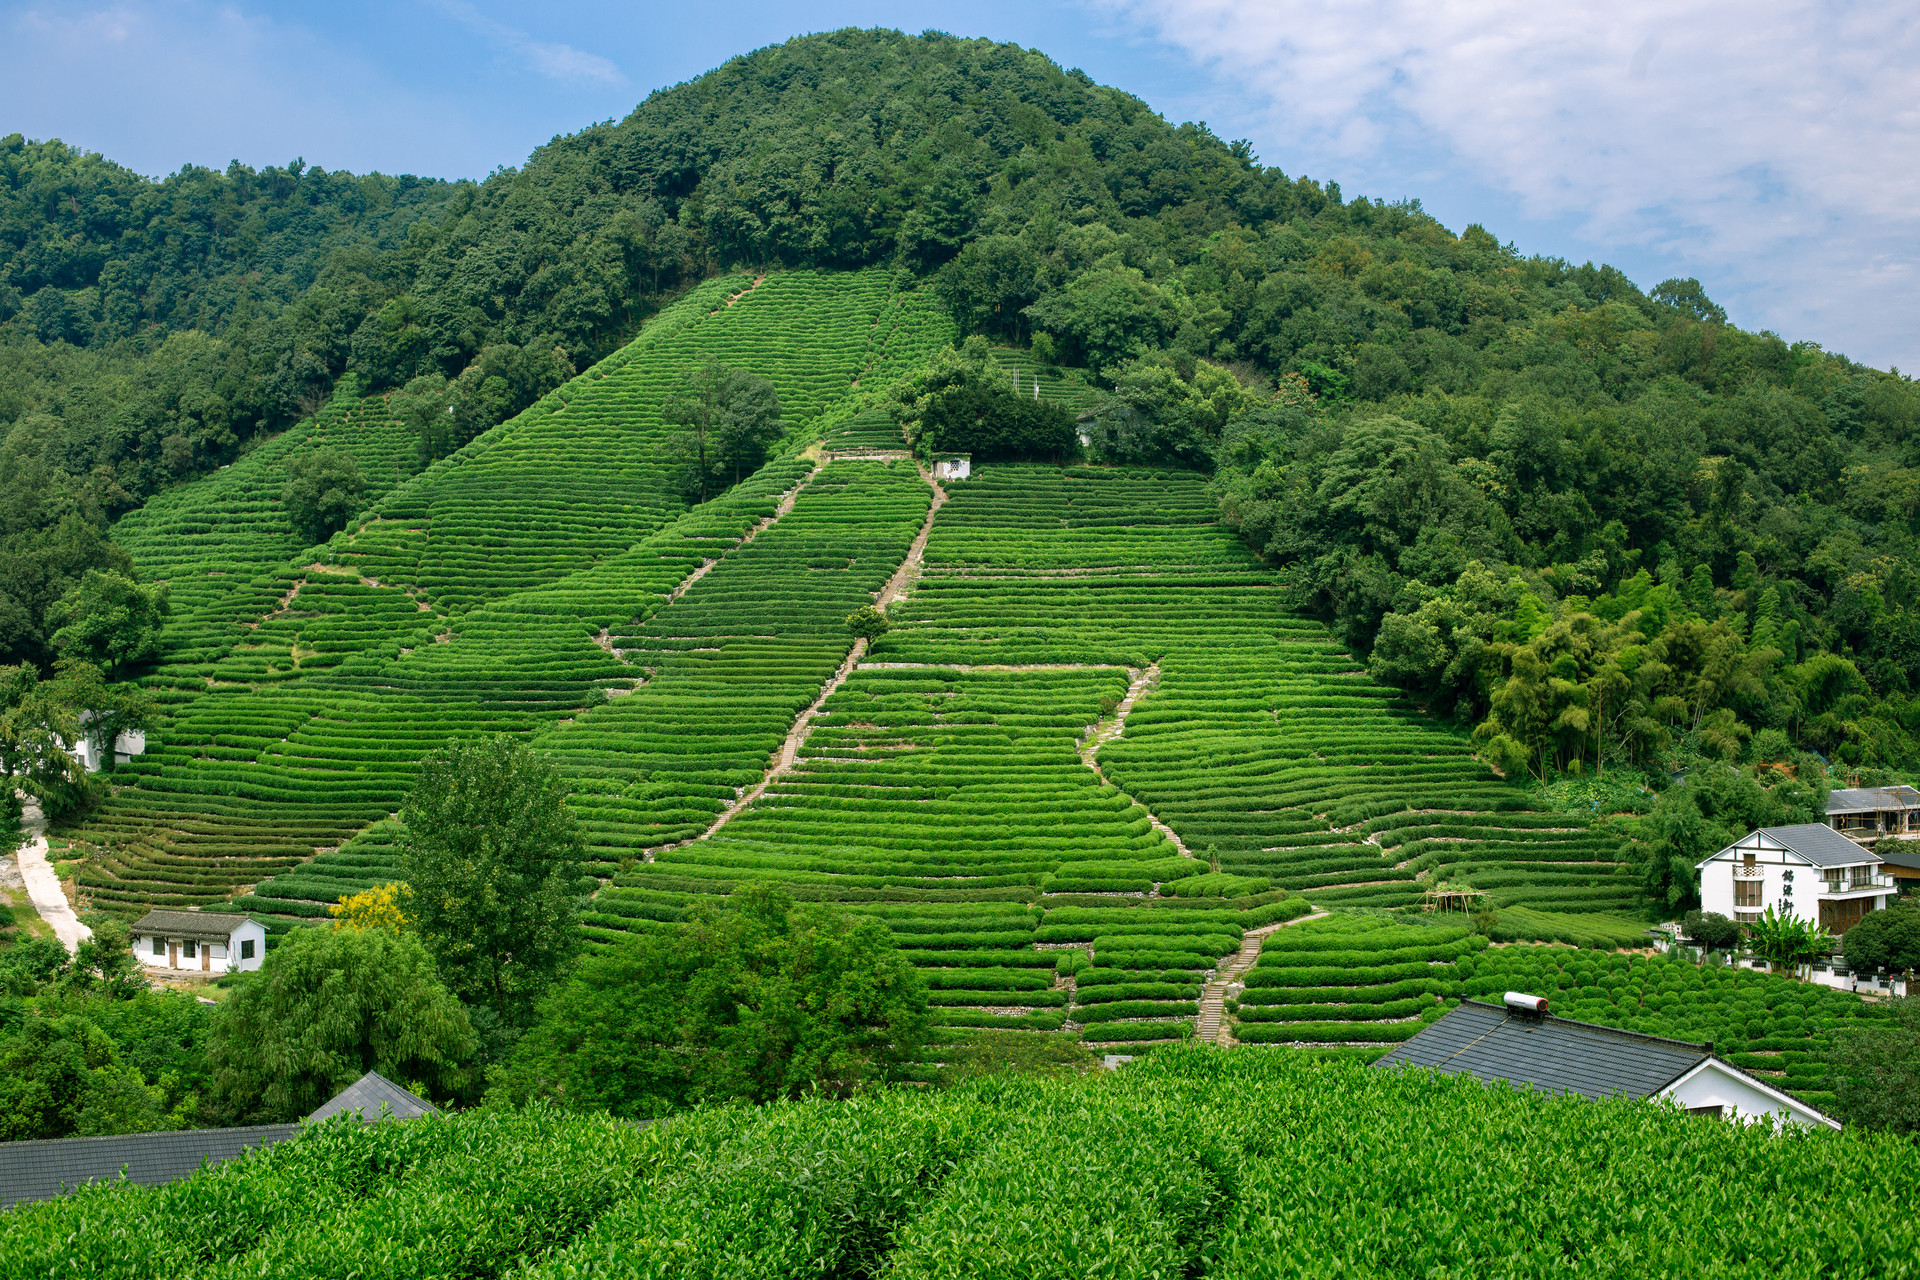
(1862, 884)
(1749, 873)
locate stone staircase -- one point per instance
(1211, 1025)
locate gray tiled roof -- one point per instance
(188, 924)
(1871, 799)
(1554, 1054)
(38, 1170)
(1819, 844)
(368, 1095)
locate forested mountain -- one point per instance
(1317, 569)
(1450, 445)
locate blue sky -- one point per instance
(1770, 148)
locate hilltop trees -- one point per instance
(322, 492)
(965, 403)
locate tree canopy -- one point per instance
(965, 403)
(110, 621)
(328, 1006)
(492, 860)
(727, 419)
(764, 1000)
(322, 492)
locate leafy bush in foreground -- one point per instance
(1256, 1163)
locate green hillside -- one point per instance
(467, 599)
(1092, 697)
(1358, 558)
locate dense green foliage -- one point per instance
(323, 493)
(727, 418)
(1888, 940)
(1192, 1163)
(86, 1049)
(761, 1001)
(1876, 1072)
(329, 1006)
(966, 402)
(491, 859)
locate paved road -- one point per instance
(43, 887)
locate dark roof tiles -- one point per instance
(188, 924)
(1548, 1053)
(1819, 844)
(38, 1170)
(375, 1098)
(1871, 799)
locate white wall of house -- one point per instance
(125, 747)
(244, 949)
(952, 468)
(1739, 1096)
(1785, 881)
(240, 955)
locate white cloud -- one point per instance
(560, 62)
(1777, 144)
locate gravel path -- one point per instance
(43, 886)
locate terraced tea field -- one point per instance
(1093, 754)
(1068, 389)
(1089, 693)
(474, 597)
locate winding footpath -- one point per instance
(1099, 737)
(896, 588)
(43, 886)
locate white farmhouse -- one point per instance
(952, 466)
(173, 941)
(1809, 871)
(125, 747)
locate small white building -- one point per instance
(202, 941)
(1810, 871)
(125, 747)
(952, 466)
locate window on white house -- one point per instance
(186, 951)
(219, 952)
(246, 948)
(159, 947)
(1746, 893)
